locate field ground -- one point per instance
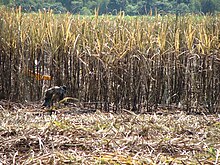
(29, 135)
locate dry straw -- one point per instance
(77, 137)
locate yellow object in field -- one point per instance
(39, 76)
(46, 77)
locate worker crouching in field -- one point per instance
(52, 94)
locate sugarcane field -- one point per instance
(104, 89)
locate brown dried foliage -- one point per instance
(120, 62)
(28, 135)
